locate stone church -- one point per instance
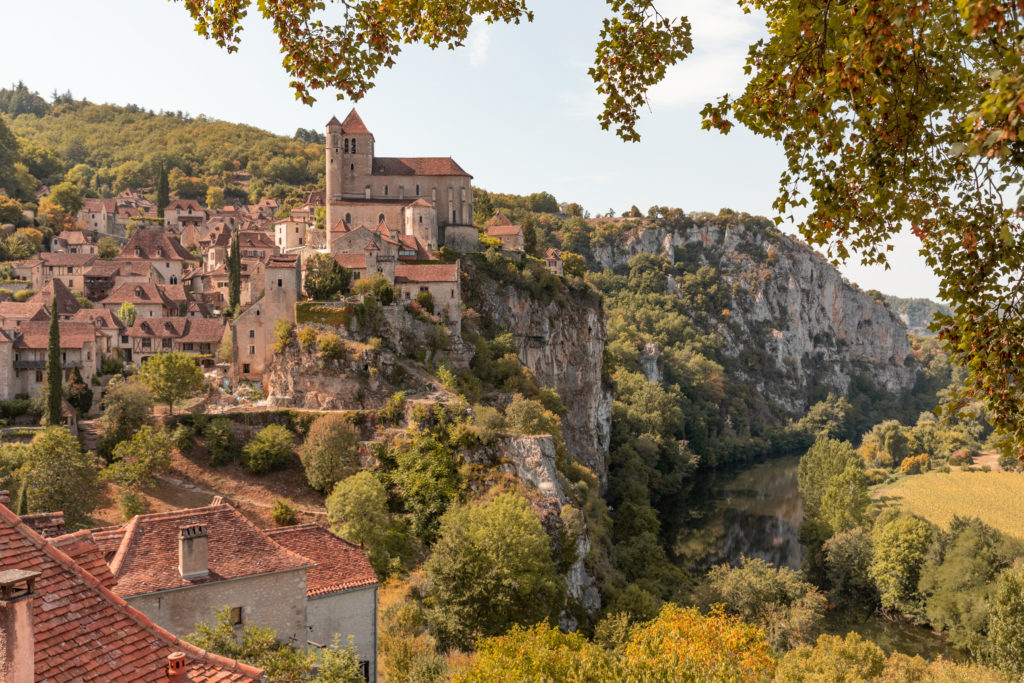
(422, 197)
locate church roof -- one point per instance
(423, 166)
(353, 125)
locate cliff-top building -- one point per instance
(423, 195)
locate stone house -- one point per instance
(69, 267)
(98, 215)
(341, 590)
(252, 331)
(180, 567)
(511, 236)
(199, 337)
(27, 270)
(440, 280)
(553, 260)
(74, 242)
(82, 345)
(104, 276)
(290, 233)
(150, 300)
(67, 304)
(182, 211)
(63, 623)
(168, 258)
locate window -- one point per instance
(280, 282)
(417, 190)
(352, 167)
(252, 350)
(245, 368)
(235, 617)
(364, 668)
(39, 375)
(346, 145)
(453, 216)
(385, 190)
(353, 145)
(252, 334)
(348, 219)
(380, 219)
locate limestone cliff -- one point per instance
(793, 326)
(561, 339)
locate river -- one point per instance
(756, 512)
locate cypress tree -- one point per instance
(234, 274)
(163, 192)
(54, 373)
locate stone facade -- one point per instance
(352, 612)
(276, 600)
(253, 330)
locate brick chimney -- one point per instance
(176, 672)
(193, 561)
(17, 640)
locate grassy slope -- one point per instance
(997, 498)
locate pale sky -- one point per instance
(514, 107)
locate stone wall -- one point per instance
(352, 612)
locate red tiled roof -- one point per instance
(22, 310)
(66, 258)
(114, 268)
(101, 317)
(422, 202)
(504, 230)
(150, 242)
(74, 237)
(173, 293)
(36, 334)
(426, 166)
(351, 261)
(189, 205)
(203, 331)
(340, 565)
(552, 254)
(499, 218)
(81, 548)
(353, 125)
(427, 272)
(85, 633)
(66, 301)
(138, 293)
(46, 524)
(147, 559)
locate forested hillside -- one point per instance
(107, 148)
(916, 314)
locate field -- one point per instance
(997, 498)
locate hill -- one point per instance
(108, 148)
(916, 314)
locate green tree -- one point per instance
(272, 449)
(172, 377)
(108, 248)
(848, 556)
(78, 392)
(427, 476)
(901, 545)
(1006, 628)
(358, 510)
(378, 287)
(777, 600)
(832, 658)
(60, 476)
(137, 460)
(163, 192)
(127, 313)
(10, 210)
(491, 568)
(330, 452)
(127, 406)
(67, 196)
(844, 505)
(325, 278)
(214, 197)
(823, 462)
(234, 274)
(54, 370)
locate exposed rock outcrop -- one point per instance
(788, 305)
(562, 342)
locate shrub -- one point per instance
(963, 456)
(284, 513)
(220, 440)
(330, 345)
(183, 438)
(488, 422)
(376, 286)
(330, 452)
(915, 464)
(1009, 462)
(131, 503)
(394, 410)
(111, 365)
(271, 449)
(307, 339)
(426, 301)
(15, 407)
(282, 335)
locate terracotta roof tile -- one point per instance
(426, 272)
(425, 166)
(353, 124)
(138, 293)
(154, 244)
(22, 310)
(101, 317)
(351, 261)
(85, 633)
(340, 565)
(35, 334)
(65, 258)
(504, 230)
(147, 559)
(67, 304)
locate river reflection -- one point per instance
(756, 512)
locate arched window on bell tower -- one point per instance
(346, 145)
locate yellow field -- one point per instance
(997, 498)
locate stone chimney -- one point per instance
(193, 561)
(17, 639)
(176, 672)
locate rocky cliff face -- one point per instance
(788, 306)
(563, 343)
